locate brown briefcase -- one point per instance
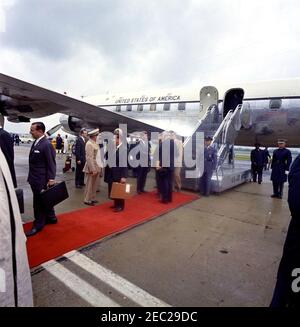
(121, 191)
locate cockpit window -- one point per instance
(275, 103)
(129, 107)
(118, 108)
(140, 107)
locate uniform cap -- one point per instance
(93, 132)
(118, 132)
(208, 138)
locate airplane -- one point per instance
(269, 110)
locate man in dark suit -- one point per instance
(117, 173)
(257, 163)
(280, 166)
(42, 170)
(7, 147)
(80, 158)
(165, 167)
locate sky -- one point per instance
(89, 47)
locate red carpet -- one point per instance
(78, 228)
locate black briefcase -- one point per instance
(54, 195)
(20, 198)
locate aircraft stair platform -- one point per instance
(224, 132)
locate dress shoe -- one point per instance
(89, 203)
(139, 192)
(95, 201)
(51, 221)
(32, 232)
(78, 186)
(118, 209)
(274, 196)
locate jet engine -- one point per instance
(71, 124)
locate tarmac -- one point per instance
(221, 250)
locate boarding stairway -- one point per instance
(224, 133)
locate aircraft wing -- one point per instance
(21, 101)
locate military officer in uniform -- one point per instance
(257, 163)
(281, 162)
(210, 163)
(91, 168)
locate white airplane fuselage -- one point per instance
(273, 109)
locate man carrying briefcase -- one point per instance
(117, 173)
(42, 170)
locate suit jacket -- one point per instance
(80, 150)
(7, 147)
(42, 165)
(114, 174)
(144, 154)
(258, 157)
(167, 160)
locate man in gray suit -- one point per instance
(42, 170)
(210, 163)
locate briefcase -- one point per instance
(20, 198)
(121, 191)
(54, 195)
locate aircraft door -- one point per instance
(232, 99)
(208, 96)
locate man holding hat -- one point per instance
(210, 163)
(91, 168)
(257, 163)
(281, 162)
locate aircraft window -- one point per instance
(129, 107)
(153, 107)
(140, 107)
(166, 106)
(181, 106)
(118, 108)
(275, 103)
